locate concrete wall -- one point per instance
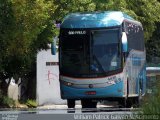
(48, 90)
(13, 90)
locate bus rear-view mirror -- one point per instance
(53, 46)
(124, 42)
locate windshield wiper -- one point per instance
(96, 59)
(99, 64)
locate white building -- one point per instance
(48, 89)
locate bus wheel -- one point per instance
(88, 103)
(71, 103)
(125, 103)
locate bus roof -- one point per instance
(95, 19)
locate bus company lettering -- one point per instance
(114, 79)
(77, 32)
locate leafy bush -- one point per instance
(6, 102)
(152, 106)
(152, 101)
(31, 103)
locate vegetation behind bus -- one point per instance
(151, 101)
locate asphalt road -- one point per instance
(60, 112)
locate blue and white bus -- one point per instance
(101, 57)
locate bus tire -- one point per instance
(125, 103)
(71, 103)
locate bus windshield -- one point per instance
(105, 51)
(74, 53)
(96, 53)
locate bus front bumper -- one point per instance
(115, 90)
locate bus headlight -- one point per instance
(66, 83)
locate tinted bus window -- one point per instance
(134, 36)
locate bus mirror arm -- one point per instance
(125, 54)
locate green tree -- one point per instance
(22, 22)
(153, 45)
(65, 7)
(6, 32)
(146, 12)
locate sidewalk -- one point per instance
(52, 106)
